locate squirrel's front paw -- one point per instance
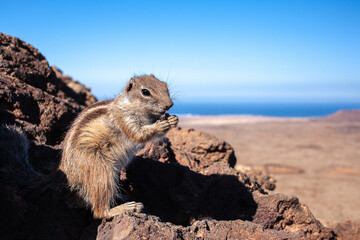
(173, 120)
(163, 126)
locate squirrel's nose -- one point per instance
(169, 105)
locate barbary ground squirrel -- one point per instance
(101, 141)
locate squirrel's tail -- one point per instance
(14, 162)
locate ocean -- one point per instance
(261, 109)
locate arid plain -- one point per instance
(317, 160)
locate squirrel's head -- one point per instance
(148, 95)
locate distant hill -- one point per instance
(343, 116)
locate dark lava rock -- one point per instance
(142, 226)
(42, 101)
(187, 182)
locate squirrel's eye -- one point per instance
(145, 92)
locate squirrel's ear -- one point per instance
(129, 85)
(152, 75)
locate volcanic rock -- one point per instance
(180, 196)
(142, 226)
(186, 182)
(42, 101)
(205, 154)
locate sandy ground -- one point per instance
(317, 161)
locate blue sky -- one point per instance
(235, 51)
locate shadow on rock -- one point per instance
(178, 195)
(45, 216)
(35, 207)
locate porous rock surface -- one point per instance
(36, 96)
(187, 182)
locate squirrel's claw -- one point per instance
(173, 120)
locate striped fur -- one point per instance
(103, 138)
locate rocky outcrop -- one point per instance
(82, 95)
(186, 182)
(258, 174)
(205, 154)
(42, 101)
(184, 194)
(142, 226)
(348, 230)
